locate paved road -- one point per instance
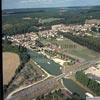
(44, 86)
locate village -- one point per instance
(28, 40)
(31, 40)
(53, 52)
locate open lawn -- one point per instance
(10, 63)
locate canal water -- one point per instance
(48, 65)
(73, 87)
(54, 69)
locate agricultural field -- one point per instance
(11, 61)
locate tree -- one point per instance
(90, 83)
(94, 29)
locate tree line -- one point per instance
(91, 84)
(24, 58)
(90, 42)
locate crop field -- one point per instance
(10, 63)
(70, 47)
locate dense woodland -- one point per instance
(90, 42)
(91, 84)
(13, 22)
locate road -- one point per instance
(73, 69)
(44, 86)
(34, 90)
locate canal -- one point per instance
(54, 69)
(47, 64)
(73, 87)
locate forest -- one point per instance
(13, 22)
(90, 83)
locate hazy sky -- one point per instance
(9, 4)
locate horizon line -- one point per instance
(51, 7)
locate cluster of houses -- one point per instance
(26, 40)
(82, 30)
(53, 47)
(48, 33)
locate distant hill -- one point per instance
(35, 10)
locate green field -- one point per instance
(68, 46)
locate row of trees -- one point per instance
(61, 55)
(91, 84)
(24, 58)
(21, 51)
(90, 42)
